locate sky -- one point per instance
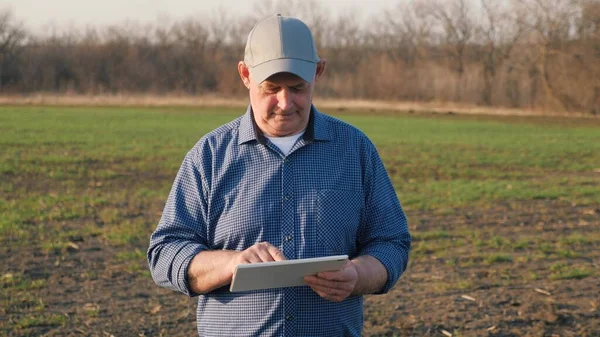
(38, 14)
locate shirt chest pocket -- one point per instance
(338, 220)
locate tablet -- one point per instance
(277, 274)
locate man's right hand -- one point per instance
(259, 252)
(212, 269)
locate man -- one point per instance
(281, 182)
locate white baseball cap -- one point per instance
(281, 44)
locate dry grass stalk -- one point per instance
(469, 298)
(542, 291)
(215, 101)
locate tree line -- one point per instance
(532, 54)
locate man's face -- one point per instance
(281, 104)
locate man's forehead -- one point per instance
(284, 78)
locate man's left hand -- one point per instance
(334, 286)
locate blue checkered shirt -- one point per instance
(330, 195)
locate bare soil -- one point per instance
(87, 291)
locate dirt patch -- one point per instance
(91, 288)
(518, 297)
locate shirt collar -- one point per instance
(316, 130)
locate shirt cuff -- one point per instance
(390, 264)
(181, 263)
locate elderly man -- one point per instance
(283, 181)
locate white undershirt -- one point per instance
(285, 144)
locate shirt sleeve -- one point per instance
(181, 232)
(384, 230)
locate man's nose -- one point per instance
(284, 99)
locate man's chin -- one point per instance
(285, 125)
(285, 116)
(285, 130)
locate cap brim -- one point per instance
(304, 69)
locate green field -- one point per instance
(72, 178)
(53, 155)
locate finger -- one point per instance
(330, 294)
(325, 290)
(343, 289)
(321, 293)
(256, 253)
(332, 275)
(276, 253)
(268, 252)
(251, 256)
(321, 290)
(311, 279)
(336, 289)
(264, 254)
(318, 281)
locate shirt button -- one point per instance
(289, 317)
(288, 238)
(287, 197)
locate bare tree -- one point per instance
(12, 37)
(344, 48)
(191, 39)
(405, 33)
(455, 27)
(399, 40)
(589, 40)
(552, 21)
(499, 32)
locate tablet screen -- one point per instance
(287, 273)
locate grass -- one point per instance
(566, 271)
(498, 258)
(45, 321)
(131, 255)
(91, 310)
(462, 162)
(128, 232)
(576, 239)
(16, 282)
(521, 244)
(571, 273)
(432, 235)
(452, 285)
(135, 261)
(435, 163)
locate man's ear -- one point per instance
(244, 73)
(320, 68)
